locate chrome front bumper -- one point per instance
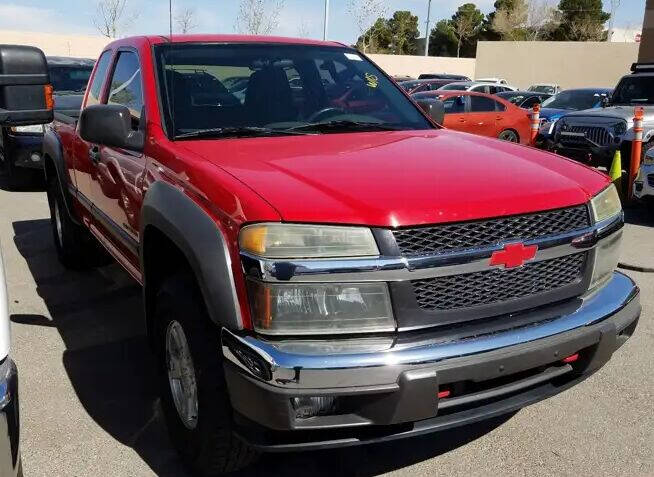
(396, 379)
(643, 186)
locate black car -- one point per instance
(524, 99)
(20, 146)
(444, 76)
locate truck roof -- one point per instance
(215, 38)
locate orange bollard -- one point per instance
(636, 149)
(535, 123)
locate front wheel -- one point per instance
(509, 135)
(192, 385)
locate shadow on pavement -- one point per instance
(99, 317)
(640, 214)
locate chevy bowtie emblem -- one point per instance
(514, 255)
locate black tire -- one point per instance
(509, 135)
(208, 445)
(76, 248)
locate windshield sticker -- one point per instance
(353, 57)
(372, 80)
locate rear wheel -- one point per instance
(509, 135)
(192, 385)
(76, 248)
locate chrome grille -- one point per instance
(597, 135)
(498, 285)
(467, 235)
(650, 180)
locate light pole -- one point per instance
(427, 31)
(326, 30)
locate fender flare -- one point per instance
(203, 244)
(52, 149)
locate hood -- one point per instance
(400, 178)
(612, 112)
(550, 114)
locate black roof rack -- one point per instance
(642, 67)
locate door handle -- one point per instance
(94, 154)
(499, 118)
(462, 120)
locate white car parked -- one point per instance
(644, 184)
(492, 80)
(478, 87)
(10, 463)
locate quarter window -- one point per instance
(481, 104)
(98, 79)
(126, 87)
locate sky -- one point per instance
(299, 17)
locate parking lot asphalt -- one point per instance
(89, 407)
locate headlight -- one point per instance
(303, 309)
(307, 241)
(606, 204)
(620, 128)
(34, 129)
(648, 160)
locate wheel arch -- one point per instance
(176, 233)
(55, 169)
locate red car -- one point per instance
(322, 264)
(483, 114)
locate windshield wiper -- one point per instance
(246, 131)
(345, 125)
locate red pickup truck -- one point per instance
(322, 264)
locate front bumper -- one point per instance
(387, 388)
(644, 184)
(9, 420)
(24, 150)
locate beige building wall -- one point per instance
(569, 64)
(78, 46)
(396, 65)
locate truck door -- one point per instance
(79, 149)
(116, 181)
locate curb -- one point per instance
(635, 268)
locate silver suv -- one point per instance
(594, 135)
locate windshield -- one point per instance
(543, 89)
(514, 98)
(236, 90)
(455, 87)
(635, 90)
(574, 100)
(69, 78)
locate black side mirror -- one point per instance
(110, 125)
(25, 91)
(606, 101)
(434, 108)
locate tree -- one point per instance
(466, 24)
(258, 17)
(542, 19)
(112, 17)
(185, 20)
(403, 28)
(377, 39)
(442, 41)
(581, 20)
(510, 20)
(364, 13)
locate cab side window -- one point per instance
(98, 79)
(126, 89)
(481, 104)
(499, 106)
